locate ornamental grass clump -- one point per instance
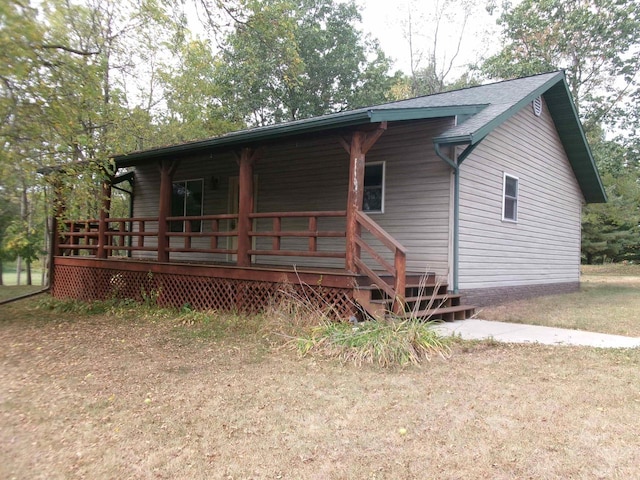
(386, 343)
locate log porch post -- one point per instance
(246, 161)
(105, 208)
(361, 143)
(355, 195)
(167, 170)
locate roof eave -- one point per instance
(249, 137)
(328, 122)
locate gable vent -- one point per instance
(537, 106)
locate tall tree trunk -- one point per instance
(1, 282)
(29, 280)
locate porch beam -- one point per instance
(167, 170)
(246, 161)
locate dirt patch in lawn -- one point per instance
(122, 397)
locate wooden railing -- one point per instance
(398, 270)
(128, 234)
(131, 234)
(79, 237)
(312, 233)
(213, 233)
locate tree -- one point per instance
(597, 43)
(193, 96)
(431, 66)
(9, 211)
(293, 59)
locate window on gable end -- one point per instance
(373, 201)
(510, 198)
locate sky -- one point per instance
(389, 24)
(388, 20)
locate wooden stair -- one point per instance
(424, 297)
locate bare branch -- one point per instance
(83, 53)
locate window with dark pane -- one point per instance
(510, 209)
(186, 200)
(373, 188)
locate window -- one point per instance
(510, 198)
(186, 200)
(373, 188)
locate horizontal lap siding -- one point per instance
(313, 175)
(544, 245)
(417, 194)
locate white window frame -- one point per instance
(383, 187)
(506, 175)
(184, 206)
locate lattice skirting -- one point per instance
(199, 292)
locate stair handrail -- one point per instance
(399, 268)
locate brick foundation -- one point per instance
(483, 297)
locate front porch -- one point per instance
(243, 259)
(129, 267)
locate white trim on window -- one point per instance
(381, 187)
(510, 197)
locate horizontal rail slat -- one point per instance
(338, 213)
(298, 253)
(201, 250)
(299, 233)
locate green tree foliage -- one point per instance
(293, 59)
(193, 96)
(597, 42)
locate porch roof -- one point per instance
(479, 110)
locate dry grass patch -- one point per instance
(608, 302)
(140, 397)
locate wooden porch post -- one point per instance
(355, 196)
(246, 162)
(167, 170)
(103, 239)
(361, 143)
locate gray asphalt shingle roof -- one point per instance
(483, 108)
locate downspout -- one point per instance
(456, 204)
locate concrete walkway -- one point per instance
(520, 333)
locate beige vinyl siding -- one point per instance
(543, 246)
(147, 189)
(312, 174)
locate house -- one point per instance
(478, 191)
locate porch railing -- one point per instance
(312, 234)
(133, 234)
(397, 270)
